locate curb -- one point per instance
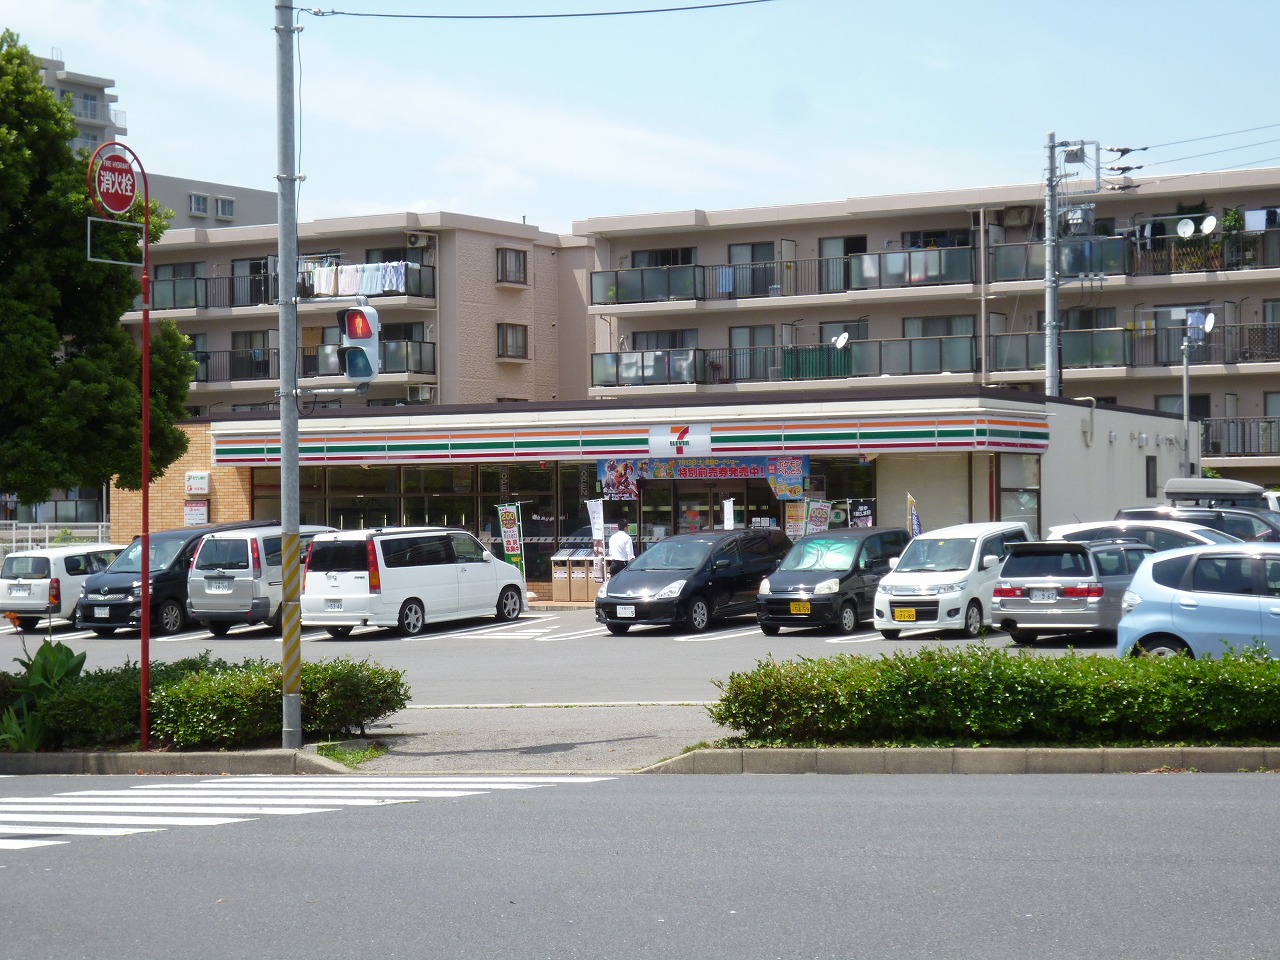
(273, 762)
(965, 760)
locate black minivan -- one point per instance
(690, 579)
(829, 579)
(112, 600)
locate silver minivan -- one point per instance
(46, 582)
(406, 577)
(237, 576)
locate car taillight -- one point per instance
(1090, 590)
(1004, 590)
(306, 562)
(55, 593)
(375, 579)
(256, 559)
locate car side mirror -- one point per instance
(893, 563)
(990, 560)
(720, 564)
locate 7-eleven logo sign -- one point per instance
(680, 440)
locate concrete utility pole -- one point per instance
(1052, 378)
(290, 609)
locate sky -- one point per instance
(561, 119)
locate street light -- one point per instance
(1198, 327)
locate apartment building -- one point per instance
(949, 287)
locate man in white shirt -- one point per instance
(621, 549)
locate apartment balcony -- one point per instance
(1241, 437)
(225, 366)
(785, 278)
(1122, 347)
(1236, 251)
(1076, 256)
(859, 358)
(197, 293)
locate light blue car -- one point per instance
(1203, 601)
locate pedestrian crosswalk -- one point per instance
(27, 822)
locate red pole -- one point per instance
(145, 626)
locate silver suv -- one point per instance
(1064, 586)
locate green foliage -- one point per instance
(70, 398)
(351, 758)
(242, 707)
(20, 730)
(23, 725)
(978, 696)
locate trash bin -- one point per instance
(580, 575)
(560, 574)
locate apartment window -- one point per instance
(953, 326)
(1172, 403)
(1271, 312)
(1082, 318)
(663, 339)
(226, 208)
(251, 281)
(513, 341)
(513, 265)
(178, 285)
(924, 239)
(671, 257)
(835, 268)
(198, 205)
(751, 353)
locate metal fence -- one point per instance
(33, 536)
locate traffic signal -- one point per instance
(358, 344)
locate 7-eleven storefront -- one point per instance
(663, 469)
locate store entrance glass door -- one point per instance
(701, 504)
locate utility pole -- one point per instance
(287, 265)
(1052, 377)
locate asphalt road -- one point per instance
(884, 868)
(552, 691)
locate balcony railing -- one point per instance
(260, 290)
(1076, 256)
(784, 278)
(221, 366)
(1241, 437)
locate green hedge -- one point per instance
(202, 702)
(977, 696)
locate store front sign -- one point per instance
(619, 477)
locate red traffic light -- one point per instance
(356, 325)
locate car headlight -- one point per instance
(827, 586)
(957, 587)
(764, 586)
(670, 591)
(603, 591)
(882, 590)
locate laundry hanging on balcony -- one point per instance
(371, 279)
(393, 276)
(349, 280)
(326, 281)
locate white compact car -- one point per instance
(944, 579)
(46, 583)
(405, 577)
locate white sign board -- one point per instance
(197, 483)
(195, 513)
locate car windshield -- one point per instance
(673, 555)
(826, 554)
(926, 553)
(163, 553)
(26, 568)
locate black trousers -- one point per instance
(616, 567)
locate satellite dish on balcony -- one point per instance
(841, 340)
(1209, 224)
(1186, 228)
(1208, 322)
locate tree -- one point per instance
(70, 376)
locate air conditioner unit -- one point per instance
(417, 239)
(421, 393)
(1019, 216)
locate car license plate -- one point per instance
(799, 606)
(102, 613)
(1043, 594)
(905, 613)
(19, 590)
(626, 612)
(218, 586)
(333, 604)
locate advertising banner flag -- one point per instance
(512, 540)
(913, 517)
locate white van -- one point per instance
(405, 577)
(46, 582)
(237, 577)
(944, 579)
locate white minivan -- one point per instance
(405, 577)
(237, 576)
(944, 579)
(46, 582)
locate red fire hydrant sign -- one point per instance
(115, 184)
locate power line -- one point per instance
(527, 16)
(1212, 136)
(1211, 153)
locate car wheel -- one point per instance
(169, 617)
(412, 618)
(1027, 637)
(104, 631)
(769, 629)
(848, 621)
(973, 620)
(698, 617)
(276, 622)
(1162, 646)
(617, 629)
(218, 628)
(338, 633)
(891, 634)
(28, 623)
(508, 604)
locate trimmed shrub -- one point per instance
(977, 696)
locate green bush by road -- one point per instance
(976, 696)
